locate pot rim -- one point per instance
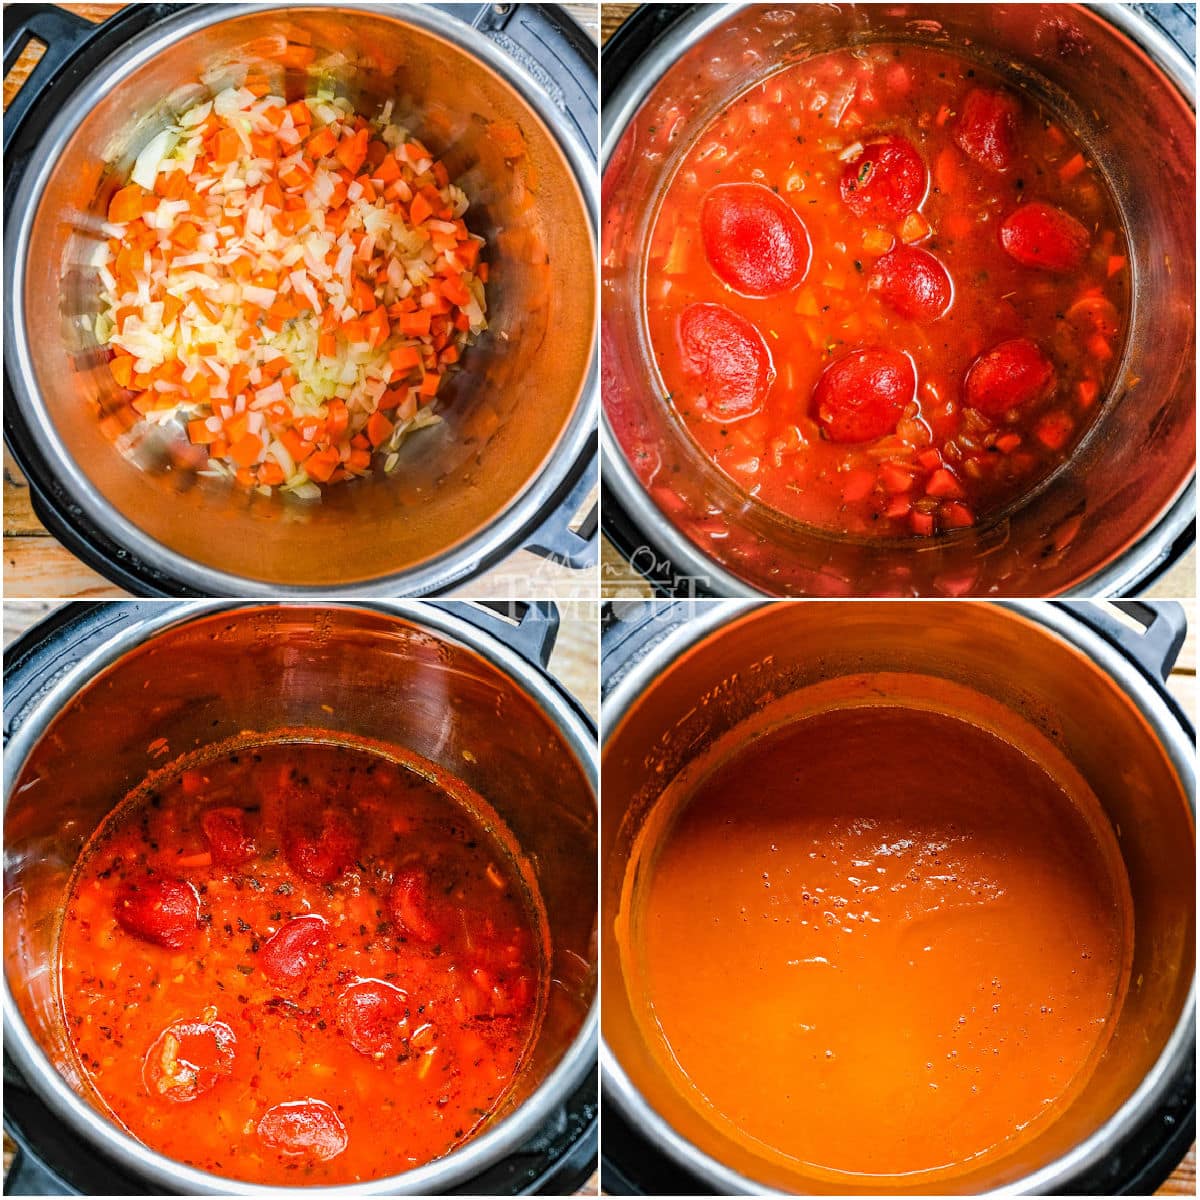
(1053, 620)
(503, 530)
(1116, 577)
(460, 1165)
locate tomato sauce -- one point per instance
(886, 292)
(879, 941)
(302, 962)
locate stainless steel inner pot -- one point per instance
(200, 672)
(518, 414)
(735, 662)
(1108, 514)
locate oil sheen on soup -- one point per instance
(302, 963)
(886, 291)
(879, 942)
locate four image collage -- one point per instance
(599, 599)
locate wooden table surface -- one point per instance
(36, 565)
(619, 581)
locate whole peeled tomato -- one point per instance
(1042, 236)
(1007, 376)
(372, 1016)
(225, 833)
(886, 181)
(188, 1059)
(321, 848)
(754, 241)
(163, 911)
(728, 357)
(912, 282)
(986, 129)
(304, 1128)
(862, 396)
(294, 948)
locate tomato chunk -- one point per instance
(163, 911)
(912, 282)
(293, 949)
(754, 240)
(886, 181)
(188, 1059)
(728, 355)
(1009, 375)
(861, 397)
(322, 850)
(372, 1014)
(224, 830)
(304, 1129)
(1040, 235)
(987, 127)
(412, 908)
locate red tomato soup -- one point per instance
(930, 936)
(302, 963)
(886, 292)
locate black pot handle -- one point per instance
(530, 627)
(557, 541)
(29, 1176)
(61, 32)
(1155, 650)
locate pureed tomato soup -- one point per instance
(879, 940)
(886, 292)
(302, 963)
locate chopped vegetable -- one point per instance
(277, 276)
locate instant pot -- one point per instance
(1112, 518)
(91, 693)
(678, 676)
(515, 459)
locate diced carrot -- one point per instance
(227, 147)
(356, 332)
(299, 112)
(507, 137)
(295, 445)
(379, 428)
(264, 145)
(297, 57)
(321, 465)
(415, 324)
(894, 478)
(359, 460)
(956, 516)
(122, 370)
(943, 115)
(1072, 167)
(1054, 430)
(1116, 263)
(327, 345)
(929, 459)
(404, 358)
(1088, 389)
(200, 434)
(942, 483)
(246, 449)
(364, 297)
(270, 473)
(321, 144)
(922, 522)
(126, 205)
(914, 228)
(420, 211)
(945, 171)
(352, 151)
(186, 235)
(337, 419)
(429, 385)
(201, 859)
(1006, 443)
(387, 171)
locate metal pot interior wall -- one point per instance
(745, 673)
(1140, 454)
(454, 480)
(345, 670)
